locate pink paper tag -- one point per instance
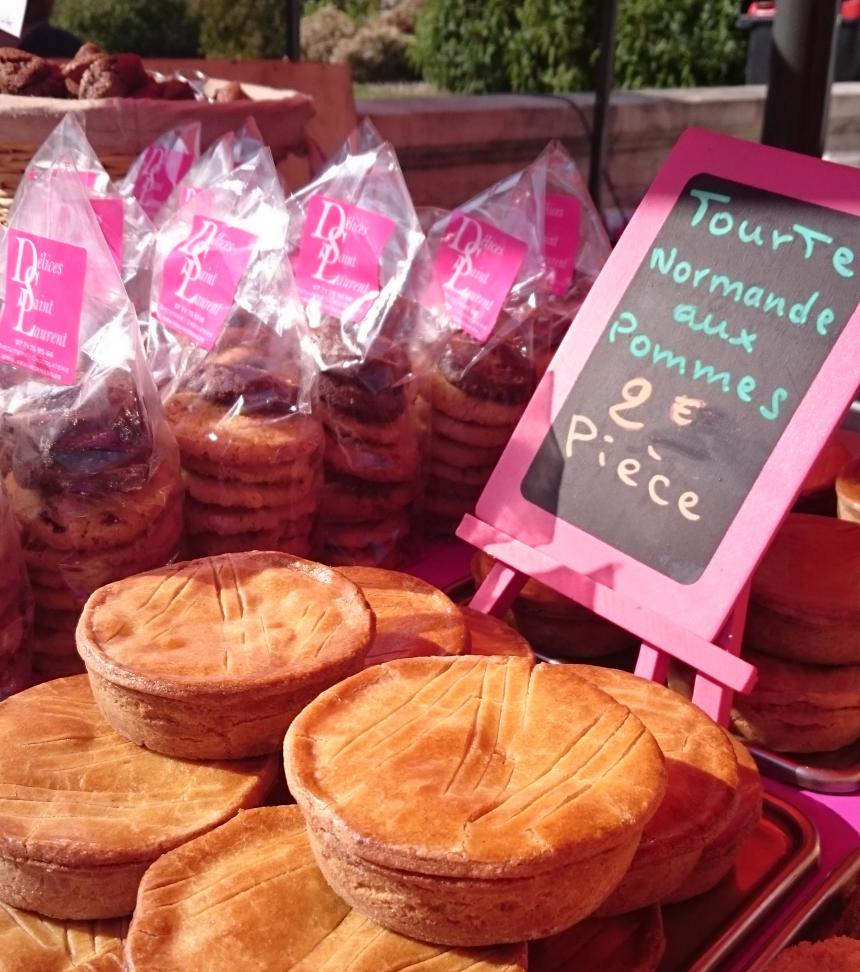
(338, 263)
(561, 239)
(160, 170)
(109, 213)
(476, 265)
(42, 305)
(200, 278)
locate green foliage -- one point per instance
(233, 28)
(552, 45)
(462, 46)
(678, 44)
(356, 9)
(151, 28)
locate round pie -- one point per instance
(472, 801)
(412, 617)
(805, 597)
(212, 658)
(267, 907)
(84, 812)
(493, 636)
(31, 943)
(701, 790)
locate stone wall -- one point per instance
(452, 147)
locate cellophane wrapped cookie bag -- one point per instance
(89, 463)
(160, 167)
(232, 149)
(353, 237)
(16, 607)
(575, 245)
(127, 230)
(226, 329)
(486, 277)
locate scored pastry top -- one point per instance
(74, 792)
(225, 623)
(812, 568)
(701, 766)
(412, 616)
(480, 766)
(267, 906)
(31, 943)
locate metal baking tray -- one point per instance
(837, 772)
(703, 931)
(816, 916)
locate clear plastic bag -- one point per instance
(16, 608)
(226, 328)
(486, 275)
(160, 167)
(89, 463)
(353, 237)
(576, 247)
(127, 229)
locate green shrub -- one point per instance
(323, 30)
(151, 28)
(552, 45)
(462, 46)
(233, 28)
(678, 44)
(376, 52)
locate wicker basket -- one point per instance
(119, 129)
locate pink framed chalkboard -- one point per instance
(713, 357)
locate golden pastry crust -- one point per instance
(83, 811)
(831, 955)
(718, 857)
(848, 492)
(412, 617)
(633, 942)
(269, 908)
(213, 658)
(805, 599)
(701, 790)
(219, 624)
(799, 708)
(825, 469)
(31, 943)
(492, 636)
(494, 799)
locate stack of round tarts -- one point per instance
(803, 635)
(452, 807)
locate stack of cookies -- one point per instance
(372, 458)
(803, 634)
(250, 455)
(16, 607)
(95, 488)
(477, 395)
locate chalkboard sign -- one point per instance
(678, 420)
(709, 352)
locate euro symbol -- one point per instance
(682, 411)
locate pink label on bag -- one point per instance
(476, 266)
(338, 263)
(160, 170)
(561, 239)
(41, 314)
(109, 213)
(200, 278)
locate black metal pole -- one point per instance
(292, 40)
(801, 71)
(602, 94)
